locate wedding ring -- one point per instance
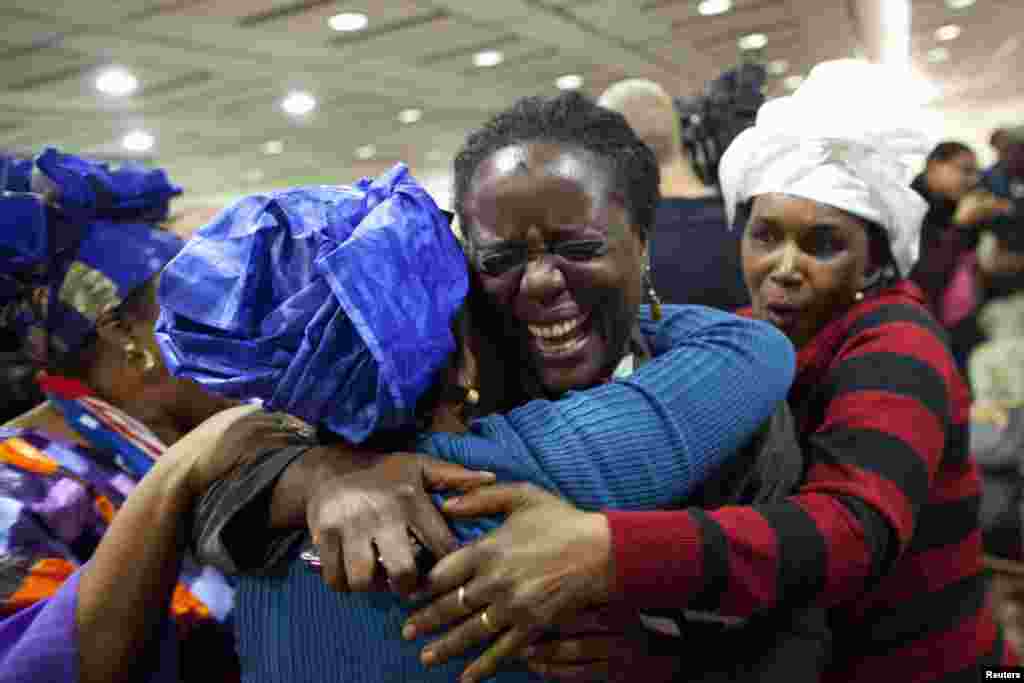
(487, 622)
(462, 598)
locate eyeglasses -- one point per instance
(504, 258)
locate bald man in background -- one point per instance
(695, 258)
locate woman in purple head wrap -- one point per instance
(88, 573)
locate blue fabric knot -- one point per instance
(334, 304)
(15, 174)
(90, 189)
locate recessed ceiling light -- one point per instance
(937, 55)
(273, 147)
(138, 141)
(366, 152)
(410, 115)
(488, 58)
(793, 82)
(947, 32)
(777, 67)
(959, 4)
(116, 81)
(348, 22)
(753, 41)
(569, 82)
(298, 103)
(712, 7)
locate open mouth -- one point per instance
(562, 338)
(782, 315)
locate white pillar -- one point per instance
(884, 30)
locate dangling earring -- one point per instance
(148, 361)
(652, 295)
(132, 352)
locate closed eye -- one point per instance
(501, 260)
(581, 250)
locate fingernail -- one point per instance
(427, 657)
(409, 632)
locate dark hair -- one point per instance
(711, 121)
(945, 151)
(571, 119)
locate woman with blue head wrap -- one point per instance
(663, 400)
(82, 589)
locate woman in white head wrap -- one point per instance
(883, 530)
(843, 154)
(820, 187)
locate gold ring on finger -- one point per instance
(486, 621)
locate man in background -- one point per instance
(1005, 178)
(695, 258)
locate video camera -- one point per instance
(711, 121)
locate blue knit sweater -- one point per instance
(644, 442)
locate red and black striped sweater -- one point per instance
(884, 532)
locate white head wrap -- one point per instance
(841, 140)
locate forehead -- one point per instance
(539, 177)
(799, 213)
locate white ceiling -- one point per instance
(213, 72)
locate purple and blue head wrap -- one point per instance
(67, 259)
(334, 304)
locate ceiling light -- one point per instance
(569, 82)
(298, 103)
(488, 58)
(273, 147)
(937, 55)
(366, 152)
(410, 115)
(959, 4)
(116, 81)
(753, 41)
(948, 32)
(793, 82)
(777, 67)
(138, 141)
(348, 22)
(710, 8)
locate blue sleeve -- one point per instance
(645, 442)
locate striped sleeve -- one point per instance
(872, 462)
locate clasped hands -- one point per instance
(532, 586)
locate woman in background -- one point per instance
(78, 291)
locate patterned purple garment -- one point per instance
(56, 501)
